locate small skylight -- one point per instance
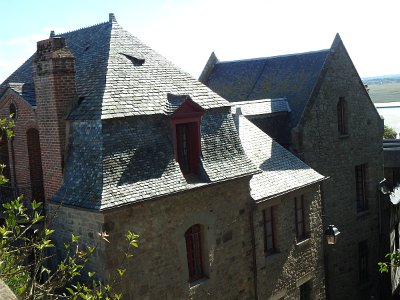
(136, 61)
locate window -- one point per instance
(305, 291)
(187, 144)
(35, 164)
(363, 261)
(269, 235)
(194, 252)
(186, 125)
(13, 111)
(341, 116)
(299, 217)
(362, 203)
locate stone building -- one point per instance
(114, 137)
(332, 125)
(391, 200)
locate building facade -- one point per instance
(332, 125)
(113, 137)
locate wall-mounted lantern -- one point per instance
(331, 234)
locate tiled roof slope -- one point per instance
(291, 76)
(121, 140)
(282, 172)
(137, 161)
(262, 107)
(113, 80)
(90, 47)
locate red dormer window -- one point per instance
(186, 125)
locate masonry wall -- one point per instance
(321, 146)
(84, 223)
(295, 262)
(159, 269)
(25, 119)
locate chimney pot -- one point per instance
(112, 18)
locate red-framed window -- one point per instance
(341, 116)
(194, 252)
(299, 217)
(269, 231)
(361, 187)
(187, 147)
(186, 125)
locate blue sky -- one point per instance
(187, 31)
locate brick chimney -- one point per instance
(54, 78)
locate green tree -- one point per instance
(389, 132)
(26, 246)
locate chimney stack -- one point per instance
(54, 78)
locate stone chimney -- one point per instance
(54, 78)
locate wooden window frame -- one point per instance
(299, 218)
(194, 248)
(341, 116)
(187, 118)
(361, 187)
(269, 230)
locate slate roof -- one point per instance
(121, 145)
(291, 76)
(262, 107)
(130, 160)
(118, 76)
(282, 172)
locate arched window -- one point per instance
(4, 158)
(35, 164)
(341, 116)
(194, 252)
(13, 111)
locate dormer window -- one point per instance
(187, 146)
(186, 125)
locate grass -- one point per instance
(386, 92)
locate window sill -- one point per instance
(305, 241)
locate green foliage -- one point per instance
(394, 262)
(27, 250)
(389, 132)
(24, 258)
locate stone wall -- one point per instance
(159, 269)
(335, 155)
(295, 262)
(84, 223)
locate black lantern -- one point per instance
(331, 233)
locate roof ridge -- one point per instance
(82, 28)
(274, 56)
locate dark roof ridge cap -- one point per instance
(318, 82)
(275, 56)
(82, 28)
